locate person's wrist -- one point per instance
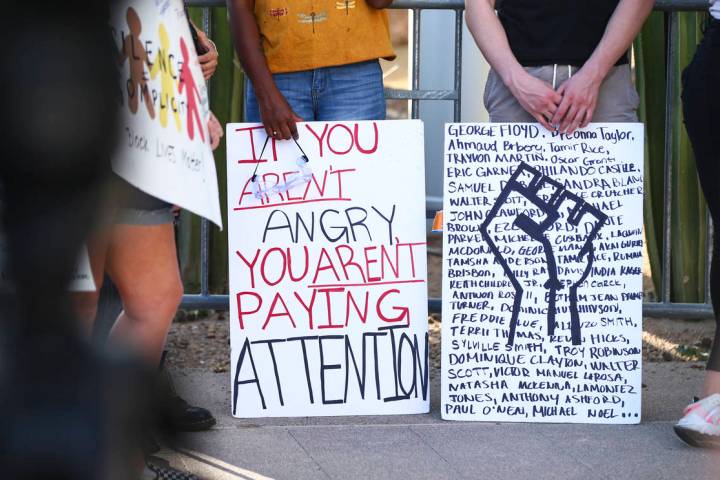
(267, 96)
(595, 71)
(511, 76)
(212, 44)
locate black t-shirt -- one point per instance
(566, 32)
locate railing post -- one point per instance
(458, 64)
(415, 103)
(204, 223)
(669, 116)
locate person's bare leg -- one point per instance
(711, 384)
(142, 262)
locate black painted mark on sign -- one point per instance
(548, 197)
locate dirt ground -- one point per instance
(203, 343)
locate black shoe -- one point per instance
(177, 414)
(183, 417)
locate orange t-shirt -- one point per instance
(306, 34)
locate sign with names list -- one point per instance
(542, 274)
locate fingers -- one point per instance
(562, 111)
(577, 120)
(568, 117)
(208, 63)
(542, 120)
(588, 116)
(292, 124)
(557, 95)
(215, 136)
(278, 117)
(281, 131)
(549, 112)
(210, 56)
(285, 132)
(278, 130)
(202, 36)
(216, 131)
(580, 93)
(285, 129)
(543, 114)
(548, 107)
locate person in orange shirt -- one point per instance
(310, 60)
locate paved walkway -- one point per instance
(425, 447)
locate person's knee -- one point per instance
(158, 301)
(175, 294)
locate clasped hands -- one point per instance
(564, 110)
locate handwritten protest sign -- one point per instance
(165, 144)
(328, 279)
(542, 282)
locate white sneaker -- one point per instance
(700, 424)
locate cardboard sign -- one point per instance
(328, 277)
(542, 276)
(165, 145)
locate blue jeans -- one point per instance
(347, 92)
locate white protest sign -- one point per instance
(542, 281)
(328, 280)
(165, 144)
(82, 278)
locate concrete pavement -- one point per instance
(424, 446)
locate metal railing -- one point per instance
(663, 308)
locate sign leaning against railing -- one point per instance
(542, 275)
(328, 279)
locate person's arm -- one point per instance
(580, 93)
(277, 116)
(535, 96)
